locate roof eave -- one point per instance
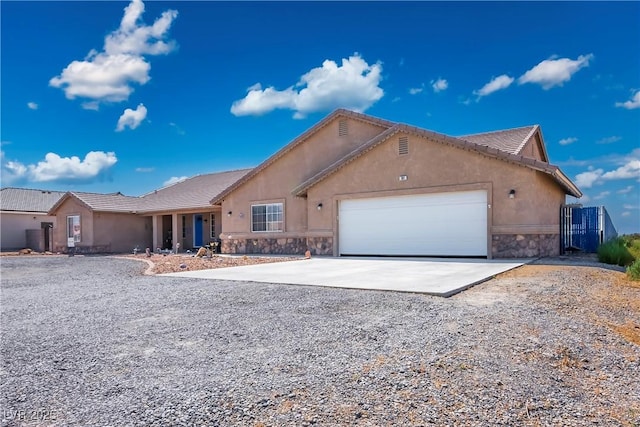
(572, 189)
(518, 159)
(523, 143)
(59, 203)
(542, 144)
(306, 135)
(301, 190)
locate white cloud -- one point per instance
(587, 179)
(32, 105)
(174, 180)
(631, 207)
(416, 90)
(103, 77)
(131, 118)
(625, 190)
(108, 76)
(498, 83)
(602, 195)
(631, 104)
(56, 168)
(567, 141)
(626, 213)
(132, 38)
(260, 101)
(439, 85)
(145, 170)
(12, 171)
(628, 170)
(609, 140)
(554, 72)
(353, 85)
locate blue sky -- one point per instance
(117, 96)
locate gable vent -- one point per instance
(342, 127)
(403, 145)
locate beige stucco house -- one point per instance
(358, 185)
(352, 184)
(176, 214)
(24, 219)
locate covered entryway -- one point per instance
(440, 224)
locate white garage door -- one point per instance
(442, 224)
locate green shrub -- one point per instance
(615, 252)
(633, 271)
(632, 242)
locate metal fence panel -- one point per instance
(584, 229)
(609, 229)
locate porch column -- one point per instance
(176, 230)
(156, 230)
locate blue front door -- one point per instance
(197, 231)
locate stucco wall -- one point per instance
(533, 149)
(72, 206)
(102, 231)
(430, 167)
(121, 232)
(13, 234)
(434, 167)
(274, 184)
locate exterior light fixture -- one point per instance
(319, 207)
(229, 213)
(512, 194)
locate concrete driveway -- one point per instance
(434, 276)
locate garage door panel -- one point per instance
(452, 224)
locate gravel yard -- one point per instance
(91, 341)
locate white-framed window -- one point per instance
(212, 225)
(267, 217)
(73, 228)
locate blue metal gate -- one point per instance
(584, 229)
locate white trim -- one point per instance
(266, 205)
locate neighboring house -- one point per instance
(99, 223)
(358, 185)
(24, 221)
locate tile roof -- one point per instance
(486, 150)
(28, 200)
(112, 202)
(509, 140)
(192, 193)
(341, 112)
